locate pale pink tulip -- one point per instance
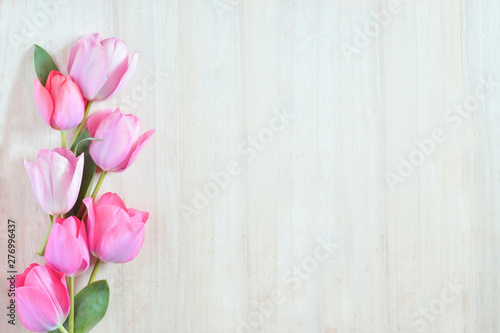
(42, 300)
(60, 102)
(100, 67)
(115, 232)
(55, 178)
(67, 249)
(120, 137)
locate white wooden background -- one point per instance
(361, 93)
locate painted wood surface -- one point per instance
(317, 166)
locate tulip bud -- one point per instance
(42, 300)
(60, 102)
(67, 251)
(115, 233)
(100, 67)
(55, 178)
(120, 142)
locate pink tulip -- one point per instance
(55, 178)
(42, 300)
(121, 139)
(100, 67)
(67, 249)
(115, 233)
(60, 102)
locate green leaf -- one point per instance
(43, 64)
(85, 140)
(91, 304)
(80, 146)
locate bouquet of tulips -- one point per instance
(63, 184)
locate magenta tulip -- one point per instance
(120, 137)
(55, 178)
(115, 233)
(42, 300)
(100, 67)
(67, 249)
(60, 102)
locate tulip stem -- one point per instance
(63, 139)
(62, 329)
(72, 308)
(99, 183)
(41, 252)
(94, 271)
(80, 126)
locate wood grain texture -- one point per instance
(385, 143)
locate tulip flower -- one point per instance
(115, 232)
(55, 178)
(60, 102)
(42, 300)
(100, 67)
(67, 249)
(120, 140)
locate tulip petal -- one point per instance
(72, 224)
(137, 216)
(69, 105)
(134, 152)
(111, 199)
(126, 76)
(57, 174)
(122, 243)
(84, 248)
(53, 283)
(36, 310)
(37, 183)
(85, 39)
(79, 249)
(43, 101)
(76, 181)
(116, 142)
(134, 124)
(94, 120)
(130, 71)
(118, 65)
(42, 151)
(63, 252)
(88, 65)
(55, 177)
(84, 264)
(20, 278)
(54, 83)
(66, 153)
(48, 81)
(89, 203)
(105, 218)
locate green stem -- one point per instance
(94, 271)
(72, 308)
(41, 252)
(94, 193)
(63, 139)
(99, 183)
(62, 329)
(80, 126)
